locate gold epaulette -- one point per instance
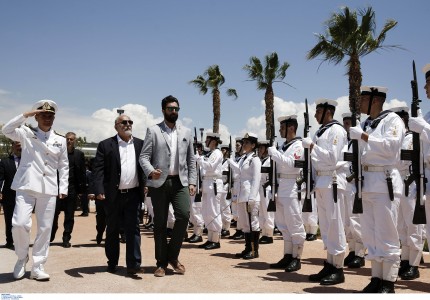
(59, 134)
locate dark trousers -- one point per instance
(8, 213)
(100, 217)
(172, 191)
(85, 204)
(123, 210)
(68, 205)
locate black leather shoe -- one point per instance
(212, 245)
(132, 271)
(357, 262)
(321, 274)
(66, 244)
(99, 238)
(239, 235)
(335, 278)
(349, 258)
(195, 239)
(266, 240)
(111, 269)
(311, 237)
(250, 255)
(205, 230)
(387, 287)
(404, 266)
(202, 246)
(83, 215)
(294, 265)
(9, 246)
(283, 263)
(276, 231)
(373, 286)
(225, 233)
(411, 273)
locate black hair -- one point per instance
(167, 100)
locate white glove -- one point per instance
(231, 161)
(272, 150)
(355, 132)
(197, 156)
(307, 142)
(417, 124)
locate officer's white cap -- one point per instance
(287, 118)
(264, 142)
(426, 70)
(213, 135)
(48, 105)
(322, 101)
(250, 136)
(223, 146)
(238, 139)
(400, 109)
(377, 90)
(346, 115)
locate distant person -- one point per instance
(119, 182)
(8, 167)
(85, 201)
(167, 159)
(77, 185)
(42, 175)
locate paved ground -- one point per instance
(82, 269)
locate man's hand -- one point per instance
(91, 196)
(272, 150)
(33, 113)
(156, 174)
(1, 196)
(417, 124)
(62, 196)
(101, 197)
(192, 189)
(307, 142)
(355, 132)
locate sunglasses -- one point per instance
(125, 122)
(172, 108)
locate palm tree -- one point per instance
(213, 79)
(265, 76)
(346, 38)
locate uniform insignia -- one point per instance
(59, 134)
(335, 141)
(395, 131)
(57, 144)
(296, 156)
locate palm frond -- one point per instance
(232, 92)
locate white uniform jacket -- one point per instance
(327, 156)
(248, 182)
(285, 168)
(211, 171)
(43, 154)
(383, 150)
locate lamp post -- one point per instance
(201, 134)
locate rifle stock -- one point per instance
(198, 197)
(230, 177)
(273, 179)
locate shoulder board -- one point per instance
(31, 127)
(59, 134)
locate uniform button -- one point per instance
(44, 174)
(46, 163)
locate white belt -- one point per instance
(373, 169)
(211, 177)
(288, 176)
(325, 173)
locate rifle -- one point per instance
(229, 175)
(198, 197)
(355, 159)
(306, 166)
(417, 165)
(273, 179)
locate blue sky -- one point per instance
(95, 56)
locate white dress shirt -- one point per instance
(174, 157)
(128, 179)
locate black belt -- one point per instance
(172, 177)
(125, 191)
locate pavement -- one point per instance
(81, 270)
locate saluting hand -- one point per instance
(33, 113)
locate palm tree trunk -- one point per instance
(355, 80)
(216, 109)
(269, 99)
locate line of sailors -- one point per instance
(384, 230)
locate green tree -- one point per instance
(265, 75)
(346, 39)
(213, 79)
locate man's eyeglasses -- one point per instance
(172, 108)
(125, 122)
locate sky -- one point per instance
(95, 56)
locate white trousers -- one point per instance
(352, 225)
(266, 218)
(211, 211)
(330, 220)
(310, 219)
(226, 216)
(379, 227)
(196, 217)
(148, 205)
(243, 216)
(288, 218)
(44, 206)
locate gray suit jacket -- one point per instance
(156, 155)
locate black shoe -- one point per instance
(283, 263)
(122, 238)
(225, 233)
(335, 277)
(404, 266)
(311, 237)
(327, 270)
(411, 273)
(250, 255)
(349, 258)
(133, 271)
(202, 246)
(212, 245)
(205, 230)
(66, 244)
(9, 246)
(374, 286)
(195, 239)
(276, 231)
(111, 269)
(83, 215)
(238, 235)
(233, 223)
(99, 238)
(357, 262)
(266, 240)
(294, 265)
(387, 287)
